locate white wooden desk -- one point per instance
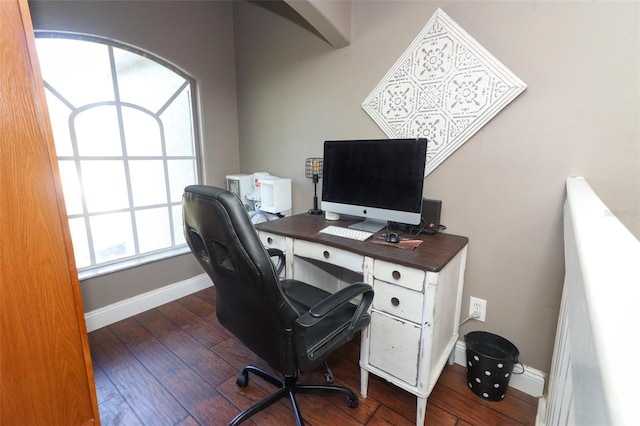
(416, 307)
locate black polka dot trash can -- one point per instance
(490, 361)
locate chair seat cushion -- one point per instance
(302, 295)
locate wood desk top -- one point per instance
(432, 255)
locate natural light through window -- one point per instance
(123, 124)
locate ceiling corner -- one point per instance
(332, 19)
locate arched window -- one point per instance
(124, 126)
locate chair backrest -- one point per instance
(250, 303)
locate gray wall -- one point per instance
(504, 188)
(197, 36)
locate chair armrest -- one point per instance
(327, 326)
(336, 300)
(329, 305)
(274, 252)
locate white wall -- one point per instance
(504, 188)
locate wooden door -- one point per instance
(46, 376)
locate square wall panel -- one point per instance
(444, 87)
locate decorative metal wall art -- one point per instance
(444, 87)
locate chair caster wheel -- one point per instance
(243, 379)
(352, 402)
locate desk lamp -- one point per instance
(313, 170)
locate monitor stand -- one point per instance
(370, 225)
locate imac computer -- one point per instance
(379, 180)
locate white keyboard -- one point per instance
(354, 234)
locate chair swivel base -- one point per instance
(287, 388)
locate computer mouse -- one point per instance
(392, 237)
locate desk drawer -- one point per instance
(273, 241)
(399, 275)
(345, 259)
(398, 301)
(395, 347)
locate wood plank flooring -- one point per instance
(176, 365)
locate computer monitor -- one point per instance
(380, 180)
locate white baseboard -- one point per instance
(541, 415)
(115, 312)
(530, 382)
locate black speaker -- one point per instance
(431, 215)
(430, 221)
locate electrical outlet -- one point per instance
(478, 305)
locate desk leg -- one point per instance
(364, 382)
(421, 411)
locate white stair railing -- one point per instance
(595, 378)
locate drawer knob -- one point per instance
(270, 240)
(395, 301)
(395, 275)
(326, 254)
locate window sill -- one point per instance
(130, 263)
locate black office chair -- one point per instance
(293, 326)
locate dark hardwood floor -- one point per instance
(176, 365)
